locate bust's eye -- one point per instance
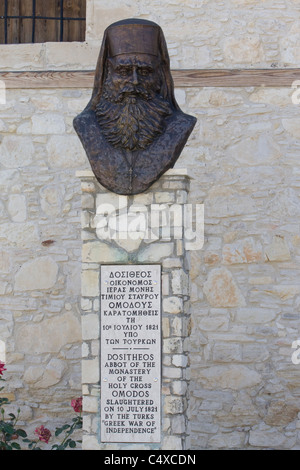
(144, 71)
(123, 71)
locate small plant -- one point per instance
(10, 433)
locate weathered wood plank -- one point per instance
(50, 79)
(25, 34)
(74, 30)
(2, 35)
(182, 78)
(13, 23)
(236, 77)
(47, 29)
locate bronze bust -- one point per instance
(132, 129)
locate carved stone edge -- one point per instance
(83, 174)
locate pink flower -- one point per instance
(43, 433)
(2, 368)
(77, 404)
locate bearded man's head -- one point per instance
(135, 97)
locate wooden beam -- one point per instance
(51, 79)
(182, 78)
(236, 77)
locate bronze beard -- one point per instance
(133, 118)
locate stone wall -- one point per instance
(243, 155)
(213, 34)
(245, 292)
(41, 251)
(156, 242)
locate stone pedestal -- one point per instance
(145, 229)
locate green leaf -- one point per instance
(60, 430)
(66, 444)
(15, 445)
(21, 433)
(72, 444)
(65, 426)
(5, 427)
(4, 401)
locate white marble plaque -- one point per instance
(130, 307)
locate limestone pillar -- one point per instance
(144, 229)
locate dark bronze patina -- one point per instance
(132, 129)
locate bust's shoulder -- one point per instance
(178, 128)
(87, 115)
(185, 117)
(179, 121)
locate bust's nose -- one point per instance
(134, 77)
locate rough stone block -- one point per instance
(179, 387)
(90, 283)
(180, 282)
(40, 273)
(221, 290)
(172, 305)
(16, 151)
(255, 315)
(173, 405)
(179, 360)
(100, 252)
(172, 443)
(156, 252)
(90, 327)
(50, 335)
(87, 201)
(17, 207)
(242, 251)
(278, 250)
(65, 151)
(234, 377)
(173, 345)
(48, 123)
(90, 371)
